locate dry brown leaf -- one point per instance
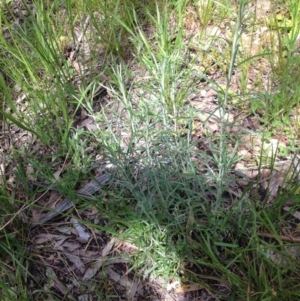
(295, 214)
(250, 173)
(30, 173)
(71, 246)
(129, 246)
(276, 181)
(284, 259)
(82, 232)
(53, 199)
(87, 122)
(76, 261)
(76, 66)
(85, 297)
(65, 230)
(172, 285)
(2, 170)
(56, 283)
(252, 143)
(130, 286)
(189, 288)
(57, 174)
(91, 212)
(111, 261)
(92, 271)
(88, 256)
(60, 241)
(108, 247)
(235, 190)
(35, 215)
(44, 237)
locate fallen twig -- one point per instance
(282, 237)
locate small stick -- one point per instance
(282, 237)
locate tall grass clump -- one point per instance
(33, 65)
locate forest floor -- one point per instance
(149, 151)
